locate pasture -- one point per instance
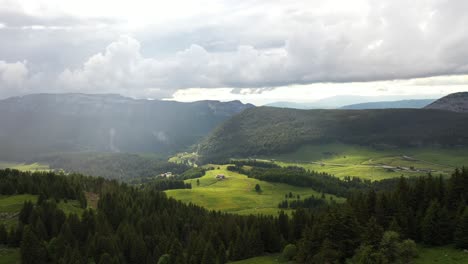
(441, 255)
(9, 255)
(270, 259)
(375, 164)
(236, 193)
(24, 166)
(11, 205)
(431, 255)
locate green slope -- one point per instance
(271, 131)
(370, 163)
(236, 193)
(11, 205)
(24, 166)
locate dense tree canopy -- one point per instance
(142, 225)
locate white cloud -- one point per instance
(254, 45)
(13, 74)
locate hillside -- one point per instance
(50, 123)
(417, 103)
(457, 102)
(266, 130)
(236, 193)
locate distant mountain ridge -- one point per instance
(340, 101)
(270, 130)
(416, 103)
(50, 123)
(456, 102)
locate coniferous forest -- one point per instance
(132, 224)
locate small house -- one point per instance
(166, 175)
(220, 177)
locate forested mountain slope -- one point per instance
(457, 102)
(268, 130)
(49, 123)
(141, 225)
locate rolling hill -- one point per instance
(52, 123)
(236, 194)
(343, 101)
(417, 103)
(267, 130)
(457, 102)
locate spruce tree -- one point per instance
(372, 234)
(32, 249)
(436, 225)
(25, 212)
(3, 235)
(461, 231)
(209, 255)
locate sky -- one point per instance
(257, 51)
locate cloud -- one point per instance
(122, 67)
(12, 75)
(250, 47)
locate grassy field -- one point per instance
(24, 167)
(70, 207)
(441, 255)
(9, 255)
(438, 255)
(236, 193)
(11, 205)
(270, 259)
(185, 158)
(369, 163)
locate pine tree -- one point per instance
(209, 255)
(461, 231)
(283, 224)
(25, 212)
(436, 226)
(32, 249)
(328, 254)
(3, 235)
(372, 234)
(389, 246)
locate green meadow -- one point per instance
(270, 259)
(10, 206)
(236, 193)
(24, 167)
(375, 164)
(9, 255)
(441, 255)
(433, 255)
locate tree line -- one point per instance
(298, 176)
(133, 225)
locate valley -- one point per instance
(343, 160)
(320, 185)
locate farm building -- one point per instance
(166, 175)
(220, 177)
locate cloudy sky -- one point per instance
(258, 51)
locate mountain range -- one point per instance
(340, 101)
(53, 123)
(416, 103)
